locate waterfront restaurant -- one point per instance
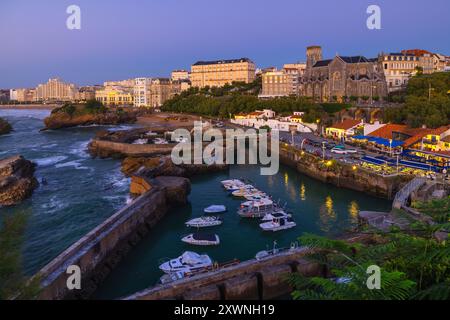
(344, 129)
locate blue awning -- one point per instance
(373, 160)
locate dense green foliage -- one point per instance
(13, 283)
(90, 107)
(426, 102)
(413, 264)
(242, 98)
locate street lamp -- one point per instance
(390, 147)
(323, 150)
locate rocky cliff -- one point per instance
(17, 180)
(60, 119)
(5, 127)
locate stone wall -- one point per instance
(248, 280)
(99, 251)
(105, 149)
(343, 175)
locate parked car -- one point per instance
(338, 150)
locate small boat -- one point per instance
(256, 196)
(244, 191)
(275, 250)
(215, 208)
(188, 262)
(202, 222)
(171, 277)
(257, 209)
(160, 141)
(274, 215)
(278, 224)
(201, 239)
(140, 141)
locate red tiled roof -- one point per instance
(415, 134)
(346, 124)
(386, 131)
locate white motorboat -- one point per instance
(244, 191)
(274, 215)
(160, 141)
(188, 262)
(201, 239)
(140, 141)
(256, 196)
(231, 182)
(215, 208)
(202, 222)
(257, 209)
(171, 277)
(278, 224)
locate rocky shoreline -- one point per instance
(17, 180)
(5, 127)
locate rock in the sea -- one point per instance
(77, 115)
(17, 180)
(5, 127)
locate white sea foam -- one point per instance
(44, 162)
(80, 149)
(76, 164)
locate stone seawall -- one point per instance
(250, 280)
(343, 175)
(105, 149)
(99, 251)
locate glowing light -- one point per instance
(329, 163)
(354, 167)
(302, 192)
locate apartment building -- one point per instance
(220, 72)
(56, 90)
(178, 75)
(278, 84)
(22, 95)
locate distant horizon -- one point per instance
(121, 40)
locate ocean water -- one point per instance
(81, 192)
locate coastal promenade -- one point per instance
(29, 106)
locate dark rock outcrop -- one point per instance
(5, 127)
(164, 166)
(17, 180)
(59, 120)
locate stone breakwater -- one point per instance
(99, 251)
(343, 175)
(17, 180)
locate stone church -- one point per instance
(340, 78)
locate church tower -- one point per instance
(313, 54)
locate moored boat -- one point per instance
(274, 215)
(215, 208)
(201, 239)
(257, 209)
(202, 222)
(278, 224)
(188, 262)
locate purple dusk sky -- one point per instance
(126, 39)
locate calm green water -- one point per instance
(318, 208)
(82, 192)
